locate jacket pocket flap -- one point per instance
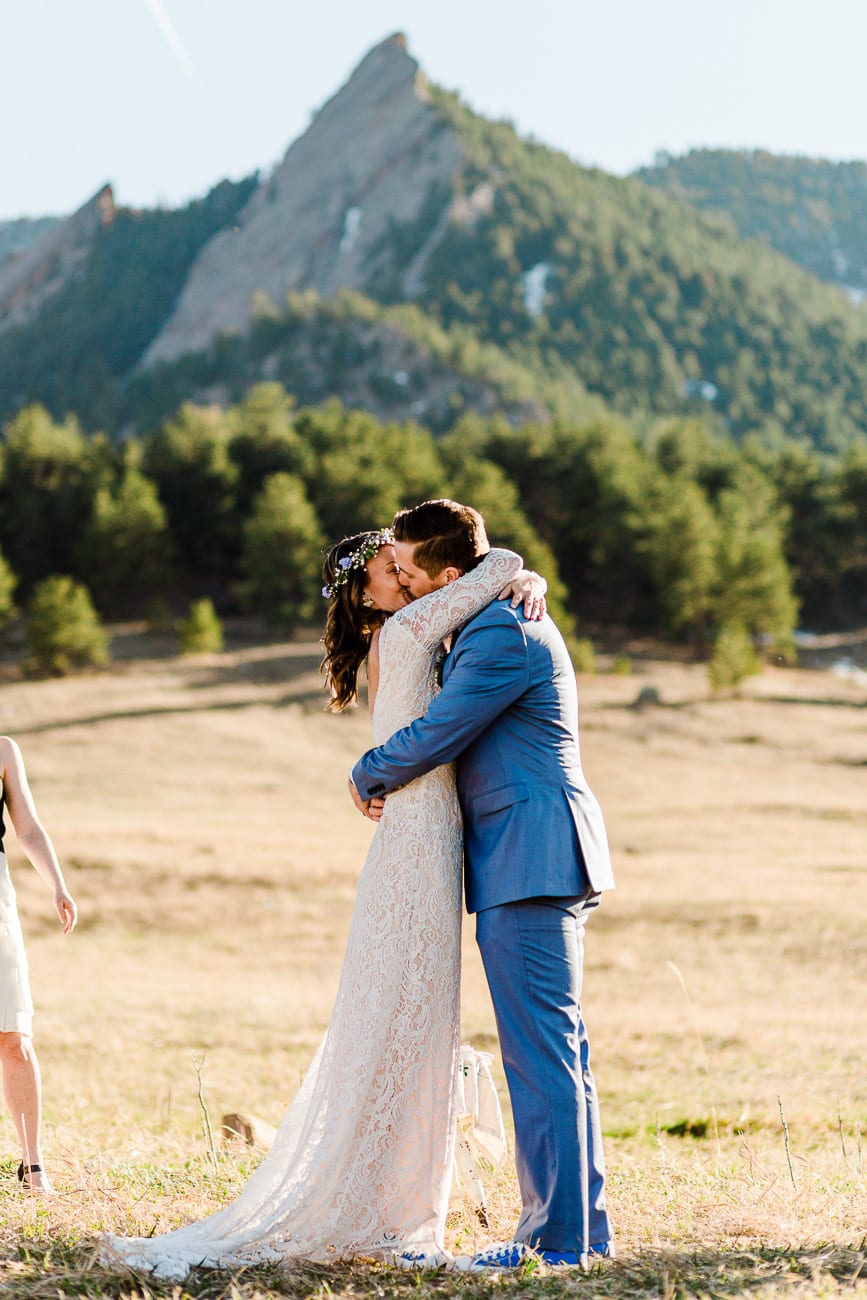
(495, 800)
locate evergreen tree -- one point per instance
(691, 448)
(51, 473)
(128, 542)
(482, 484)
(681, 546)
(282, 552)
(853, 505)
(753, 587)
(819, 542)
(189, 462)
(264, 441)
(365, 470)
(584, 489)
(63, 631)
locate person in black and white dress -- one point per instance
(21, 1079)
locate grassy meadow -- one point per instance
(200, 811)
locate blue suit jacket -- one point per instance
(508, 713)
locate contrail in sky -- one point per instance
(169, 33)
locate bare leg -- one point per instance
(22, 1087)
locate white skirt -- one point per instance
(16, 1004)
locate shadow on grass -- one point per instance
(820, 1271)
(311, 699)
(818, 701)
(648, 701)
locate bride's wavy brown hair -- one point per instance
(349, 625)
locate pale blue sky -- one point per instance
(165, 97)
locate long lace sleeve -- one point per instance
(430, 618)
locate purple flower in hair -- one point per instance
(358, 559)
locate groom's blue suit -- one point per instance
(536, 857)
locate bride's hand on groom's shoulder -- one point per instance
(527, 588)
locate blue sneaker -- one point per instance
(417, 1259)
(555, 1258)
(510, 1255)
(515, 1253)
(601, 1250)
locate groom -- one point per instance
(536, 859)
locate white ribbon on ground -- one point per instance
(480, 1139)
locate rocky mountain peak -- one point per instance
(388, 65)
(370, 159)
(27, 280)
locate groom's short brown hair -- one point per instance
(445, 534)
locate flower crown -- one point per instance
(357, 559)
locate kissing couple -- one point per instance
(483, 771)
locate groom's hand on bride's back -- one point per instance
(361, 804)
(372, 808)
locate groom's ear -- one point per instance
(448, 574)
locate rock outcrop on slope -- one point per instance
(28, 280)
(371, 159)
(17, 235)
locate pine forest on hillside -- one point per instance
(812, 210)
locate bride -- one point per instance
(361, 1164)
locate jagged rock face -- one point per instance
(28, 280)
(18, 235)
(370, 158)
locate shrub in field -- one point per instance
(7, 591)
(201, 631)
(583, 655)
(734, 658)
(63, 630)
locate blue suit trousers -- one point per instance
(533, 954)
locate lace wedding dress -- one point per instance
(361, 1164)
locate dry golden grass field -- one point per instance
(200, 811)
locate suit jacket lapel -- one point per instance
(445, 666)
